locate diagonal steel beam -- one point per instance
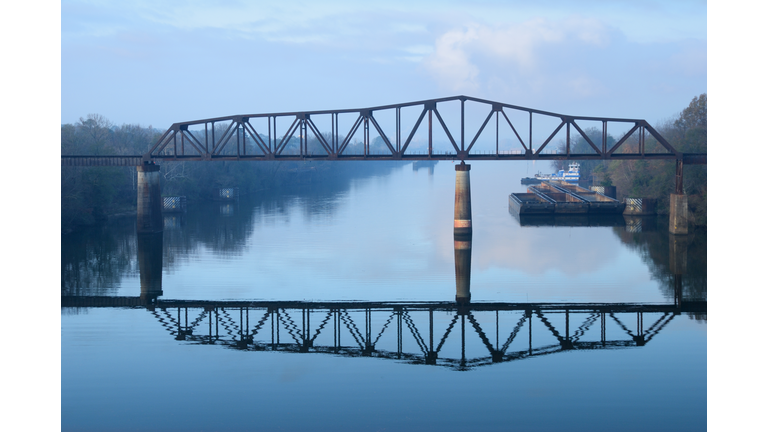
(287, 137)
(477, 135)
(413, 131)
(513, 129)
(445, 128)
(256, 138)
(352, 131)
(560, 126)
(318, 135)
(382, 134)
(584, 135)
(624, 138)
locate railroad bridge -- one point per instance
(346, 134)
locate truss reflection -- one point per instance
(454, 335)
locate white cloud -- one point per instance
(450, 63)
(458, 53)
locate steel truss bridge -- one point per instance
(449, 334)
(319, 135)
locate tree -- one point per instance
(656, 179)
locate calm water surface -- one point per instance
(334, 308)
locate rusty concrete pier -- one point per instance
(149, 205)
(462, 209)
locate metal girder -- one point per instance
(239, 137)
(266, 146)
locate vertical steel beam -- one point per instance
(397, 127)
(497, 133)
(605, 137)
(462, 125)
(430, 132)
(530, 130)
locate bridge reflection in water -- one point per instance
(456, 334)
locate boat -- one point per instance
(571, 176)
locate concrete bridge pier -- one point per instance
(150, 257)
(462, 250)
(462, 209)
(678, 204)
(149, 206)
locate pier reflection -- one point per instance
(462, 252)
(150, 258)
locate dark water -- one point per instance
(335, 308)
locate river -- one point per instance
(334, 307)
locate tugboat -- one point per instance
(571, 176)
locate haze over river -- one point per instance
(234, 354)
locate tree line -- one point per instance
(90, 194)
(686, 132)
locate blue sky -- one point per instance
(158, 62)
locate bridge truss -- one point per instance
(434, 129)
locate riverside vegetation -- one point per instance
(89, 195)
(687, 132)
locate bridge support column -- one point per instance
(149, 216)
(462, 250)
(462, 209)
(150, 257)
(678, 214)
(678, 204)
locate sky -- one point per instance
(159, 62)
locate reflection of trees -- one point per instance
(93, 261)
(653, 246)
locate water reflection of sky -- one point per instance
(144, 380)
(390, 238)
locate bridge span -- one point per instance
(388, 133)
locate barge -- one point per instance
(562, 198)
(598, 203)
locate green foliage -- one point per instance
(90, 194)
(656, 179)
